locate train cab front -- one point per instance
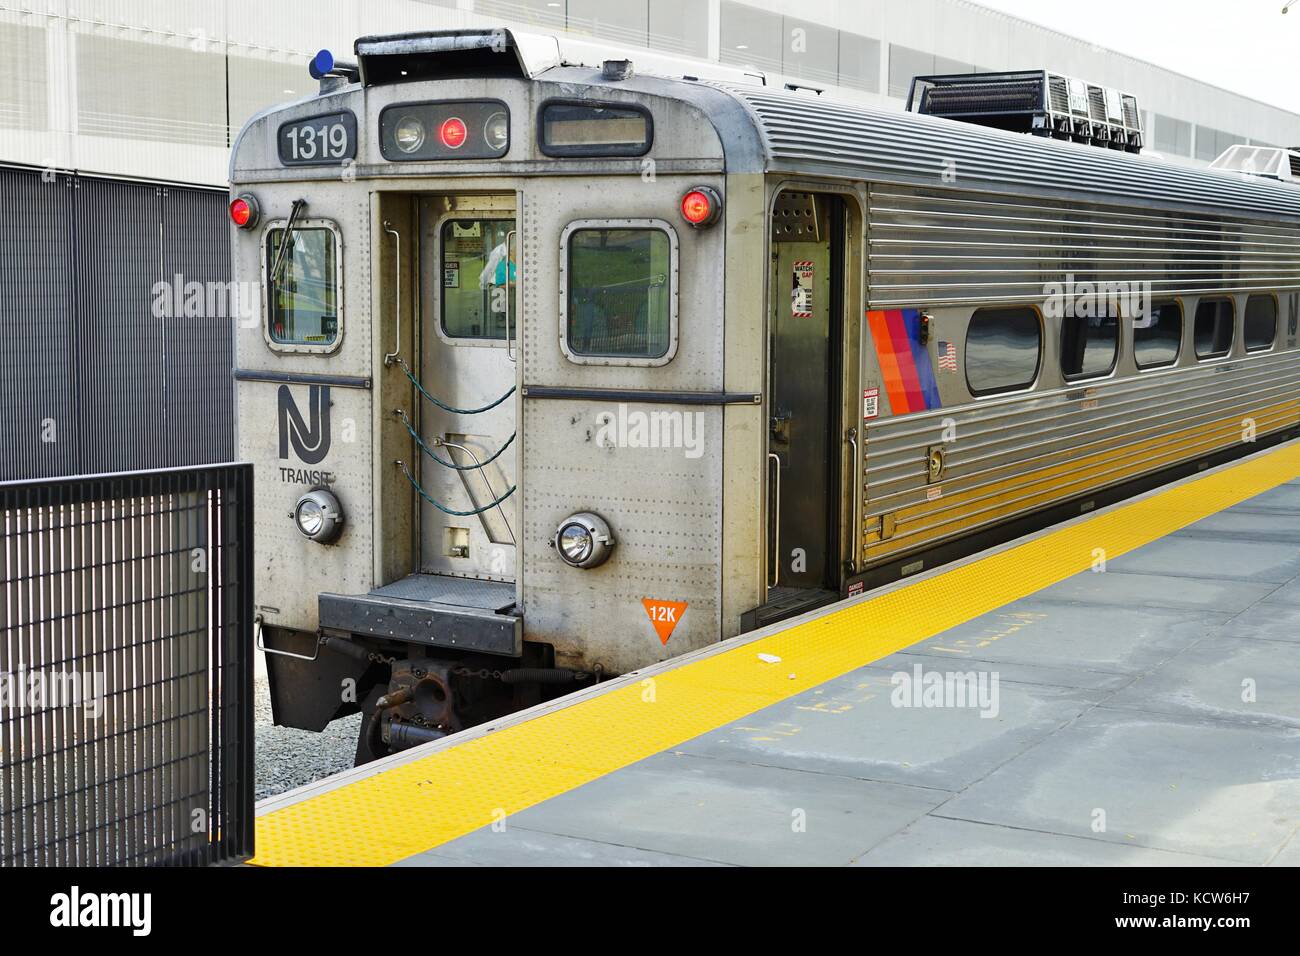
(407, 242)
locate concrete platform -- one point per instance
(1147, 713)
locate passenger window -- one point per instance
(1260, 326)
(620, 292)
(1002, 350)
(1213, 329)
(1089, 345)
(302, 287)
(1158, 335)
(477, 272)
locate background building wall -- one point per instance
(157, 89)
(116, 119)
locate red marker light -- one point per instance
(243, 211)
(452, 132)
(701, 206)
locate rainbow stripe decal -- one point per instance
(904, 361)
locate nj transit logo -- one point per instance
(311, 437)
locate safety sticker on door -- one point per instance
(801, 295)
(664, 615)
(870, 403)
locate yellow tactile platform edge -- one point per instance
(419, 805)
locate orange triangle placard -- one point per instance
(664, 615)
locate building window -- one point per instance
(859, 62)
(1173, 135)
(811, 52)
(303, 306)
(1260, 325)
(943, 66)
(750, 37)
(620, 292)
(1089, 345)
(627, 21)
(539, 13)
(904, 64)
(1158, 335)
(680, 26)
(478, 270)
(1213, 328)
(1211, 143)
(1002, 350)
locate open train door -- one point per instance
(805, 444)
(469, 248)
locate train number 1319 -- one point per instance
(319, 140)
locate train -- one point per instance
(565, 364)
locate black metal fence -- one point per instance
(126, 669)
(92, 379)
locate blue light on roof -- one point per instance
(321, 64)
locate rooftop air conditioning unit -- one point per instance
(1033, 101)
(1267, 162)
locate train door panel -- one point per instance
(803, 455)
(468, 337)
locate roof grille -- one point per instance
(1060, 92)
(1033, 101)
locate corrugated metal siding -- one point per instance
(1017, 454)
(93, 381)
(936, 247)
(805, 133)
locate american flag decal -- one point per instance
(947, 356)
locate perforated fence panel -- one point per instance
(126, 662)
(94, 379)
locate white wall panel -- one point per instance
(139, 87)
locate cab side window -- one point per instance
(302, 288)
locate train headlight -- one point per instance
(408, 134)
(583, 540)
(318, 516)
(496, 131)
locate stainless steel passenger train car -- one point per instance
(563, 370)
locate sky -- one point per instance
(1247, 46)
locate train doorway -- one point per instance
(468, 339)
(805, 388)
